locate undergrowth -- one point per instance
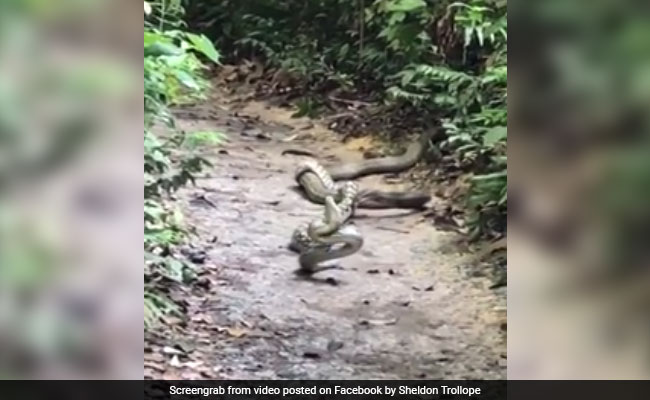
(173, 68)
(448, 60)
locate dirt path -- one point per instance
(402, 308)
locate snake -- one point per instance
(317, 181)
(318, 241)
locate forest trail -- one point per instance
(404, 307)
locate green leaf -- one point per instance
(490, 177)
(468, 35)
(407, 77)
(153, 37)
(495, 135)
(202, 138)
(406, 5)
(479, 34)
(187, 79)
(202, 44)
(157, 49)
(174, 270)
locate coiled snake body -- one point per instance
(318, 241)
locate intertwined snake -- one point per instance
(316, 241)
(330, 237)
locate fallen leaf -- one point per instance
(334, 345)
(245, 323)
(233, 331)
(193, 364)
(378, 322)
(174, 362)
(170, 320)
(237, 332)
(171, 350)
(202, 318)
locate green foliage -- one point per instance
(472, 99)
(447, 59)
(172, 75)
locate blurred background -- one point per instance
(579, 188)
(71, 189)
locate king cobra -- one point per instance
(318, 241)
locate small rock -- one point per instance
(373, 271)
(197, 256)
(204, 283)
(332, 281)
(334, 345)
(263, 136)
(428, 288)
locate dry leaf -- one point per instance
(237, 332)
(378, 322)
(174, 362)
(171, 350)
(202, 318)
(193, 364)
(233, 331)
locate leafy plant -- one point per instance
(445, 59)
(172, 75)
(472, 100)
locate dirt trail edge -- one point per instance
(401, 309)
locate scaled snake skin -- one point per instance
(330, 237)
